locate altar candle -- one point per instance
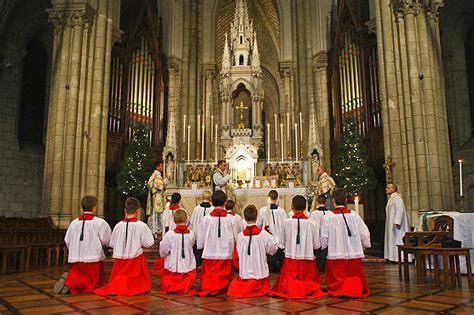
(287, 126)
(197, 127)
(301, 126)
(268, 142)
(189, 143)
(281, 142)
(212, 124)
(460, 179)
(296, 142)
(184, 129)
(276, 127)
(356, 203)
(215, 144)
(202, 143)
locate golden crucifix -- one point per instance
(388, 166)
(242, 109)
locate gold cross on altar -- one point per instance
(241, 108)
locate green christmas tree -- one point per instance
(351, 170)
(136, 166)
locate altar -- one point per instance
(245, 196)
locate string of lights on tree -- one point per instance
(136, 165)
(351, 170)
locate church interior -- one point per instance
(375, 91)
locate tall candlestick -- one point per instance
(184, 129)
(268, 142)
(460, 179)
(296, 142)
(281, 142)
(276, 128)
(189, 143)
(288, 127)
(202, 143)
(215, 144)
(197, 127)
(356, 204)
(212, 124)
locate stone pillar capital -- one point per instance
(174, 66)
(406, 7)
(432, 7)
(78, 16)
(285, 73)
(320, 61)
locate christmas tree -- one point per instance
(136, 166)
(351, 170)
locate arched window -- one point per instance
(469, 54)
(241, 40)
(31, 122)
(241, 60)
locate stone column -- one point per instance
(320, 63)
(414, 114)
(209, 72)
(77, 121)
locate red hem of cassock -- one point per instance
(242, 288)
(298, 279)
(128, 277)
(216, 275)
(346, 277)
(85, 277)
(159, 265)
(175, 282)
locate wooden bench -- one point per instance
(26, 243)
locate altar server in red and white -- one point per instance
(299, 277)
(217, 242)
(199, 212)
(345, 235)
(317, 215)
(272, 218)
(84, 238)
(253, 246)
(167, 218)
(130, 274)
(237, 221)
(167, 225)
(177, 248)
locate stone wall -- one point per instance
(21, 169)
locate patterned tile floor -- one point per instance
(31, 293)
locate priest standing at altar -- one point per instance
(156, 198)
(325, 187)
(396, 223)
(221, 179)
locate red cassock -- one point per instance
(216, 275)
(159, 265)
(176, 282)
(346, 277)
(242, 288)
(85, 277)
(128, 277)
(298, 279)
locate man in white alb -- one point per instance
(396, 223)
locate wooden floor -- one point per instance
(31, 293)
